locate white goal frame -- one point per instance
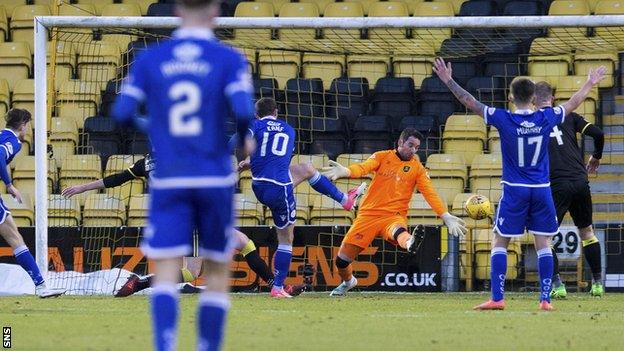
(42, 24)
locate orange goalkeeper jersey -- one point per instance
(393, 184)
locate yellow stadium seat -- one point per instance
(23, 213)
(24, 95)
(253, 9)
(464, 135)
(550, 66)
(15, 62)
(416, 67)
(567, 86)
(10, 5)
(81, 167)
(143, 4)
(138, 210)
(22, 23)
(78, 100)
(25, 170)
(366, 4)
(120, 10)
(81, 9)
(387, 9)
(583, 62)
(63, 137)
(280, 65)
(317, 161)
(324, 66)
(4, 24)
(411, 5)
(102, 210)
(301, 218)
(568, 8)
(343, 9)
(371, 67)
(419, 212)
(276, 6)
(63, 212)
(321, 4)
(482, 256)
(326, 211)
(448, 174)
(248, 210)
(65, 62)
(5, 94)
(350, 159)
(494, 141)
(298, 10)
(456, 4)
(98, 63)
(433, 9)
(458, 209)
(485, 176)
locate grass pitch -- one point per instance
(359, 321)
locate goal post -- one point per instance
(328, 38)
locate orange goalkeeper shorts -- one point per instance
(365, 228)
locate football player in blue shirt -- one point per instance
(274, 180)
(190, 85)
(526, 203)
(17, 123)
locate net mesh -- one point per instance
(338, 88)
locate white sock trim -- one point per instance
(284, 247)
(499, 251)
(165, 289)
(20, 250)
(315, 178)
(215, 299)
(544, 252)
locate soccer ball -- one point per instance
(478, 207)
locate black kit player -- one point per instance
(569, 184)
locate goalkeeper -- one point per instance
(191, 266)
(383, 211)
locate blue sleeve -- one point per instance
(132, 94)
(4, 172)
(490, 115)
(555, 115)
(238, 91)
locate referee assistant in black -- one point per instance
(570, 186)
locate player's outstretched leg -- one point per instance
(558, 288)
(24, 258)
(190, 271)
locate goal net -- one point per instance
(348, 86)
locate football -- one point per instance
(478, 207)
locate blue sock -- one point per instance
(25, 259)
(281, 263)
(212, 311)
(498, 271)
(323, 185)
(164, 305)
(545, 271)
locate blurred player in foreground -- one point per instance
(526, 202)
(570, 186)
(191, 266)
(383, 211)
(17, 124)
(190, 85)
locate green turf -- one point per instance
(316, 322)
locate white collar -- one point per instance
(12, 131)
(524, 112)
(268, 117)
(193, 32)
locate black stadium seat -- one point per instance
(436, 100)
(370, 134)
(103, 135)
(489, 90)
(394, 97)
(347, 99)
(477, 8)
(329, 136)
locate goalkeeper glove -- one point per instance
(335, 171)
(454, 224)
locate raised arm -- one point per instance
(445, 73)
(594, 77)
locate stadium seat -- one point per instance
(268, 87)
(81, 9)
(10, 5)
(435, 99)
(103, 136)
(343, 9)
(103, 210)
(23, 213)
(488, 90)
(321, 4)
(455, 4)
(24, 95)
(304, 100)
(118, 164)
(494, 140)
(24, 171)
(371, 134)
(317, 161)
(98, 63)
(137, 143)
(327, 67)
(15, 62)
(394, 97)
(143, 4)
(387, 9)
(482, 249)
(5, 96)
(254, 9)
(568, 7)
(298, 36)
(371, 67)
(477, 8)
(416, 67)
(567, 86)
(248, 210)
(464, 135)
(97, 5)
(77, 100)
(108, 96)
(138, 210)
(459, 210)
(366, 4)
(63, 137)
(583, 62)
(465, 65)
(276, 6)
(4, 25)
(505, 58)
(162, 10)
(614, 35)
(433, 9)
(550, 66)
(22, 23)
(326, 211)
(448, 173)
(84, 167)
(65, 62)
(329, 136)
(280, 65)
(428, 127)
(63, 212)
(347, 99)
(523, 8)
(349, 159)
(485, 174)
(120, 10)
(420, 213)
